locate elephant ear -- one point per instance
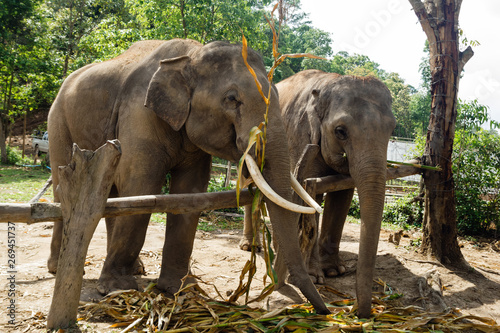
(169, 94)
(314, 116)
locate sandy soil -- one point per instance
(217, 259)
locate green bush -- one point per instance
(14, 156)
(354, 209)
(216, 184)
(476, 170)
(405, 212)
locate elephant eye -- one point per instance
(231, 101)
(341, 133)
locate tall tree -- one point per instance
(439, 20)
(13, 34)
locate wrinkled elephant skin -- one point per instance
(172, 104)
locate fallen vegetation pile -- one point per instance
(194, 311)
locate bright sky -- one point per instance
(388, 32)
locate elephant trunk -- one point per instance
(370, 177)
(285, 223)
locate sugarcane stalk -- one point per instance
(416, 165)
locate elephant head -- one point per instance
(350, 118)
(211, 88)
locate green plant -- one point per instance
(414, 244)
(477, 179)
(217, 184)
(404, 212)
(212, 220)
(354, 209)
(41, 128)
(14, 156)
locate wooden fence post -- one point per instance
(227, 182)
(83, 188)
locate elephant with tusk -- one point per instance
(351, 120)
(172, 104)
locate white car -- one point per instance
(41, 144)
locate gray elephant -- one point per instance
(172, 104)
(350, 118)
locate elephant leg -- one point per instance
(55, 242)
(124, 244)
(139, 268)
(314, 267)
(335, 212)
(248, 234)
(55, 247)
(181, 228)
(126, 234)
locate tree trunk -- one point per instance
(439, 20)
(3, 146)
(182, 7)
(3, 119)
(69, 48)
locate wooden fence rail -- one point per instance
(173, 203)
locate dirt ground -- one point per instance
(218, 260)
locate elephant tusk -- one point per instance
(304, 195)
(270, 193)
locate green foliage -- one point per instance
(400, 93)
(357, 64)
(354, 209)
(12, 16)
(420, 106)
(476, 170)
(202, 20)
(405, 212)
(14, 156)
(477, 180)
(472, 115)
(298, 36)
(217, 183)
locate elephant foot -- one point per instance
(170, 285)
(316, 272)
(111, 282)
(333, 266)
(139, 268)
(316, 275)
(246, 244)
(52, 264)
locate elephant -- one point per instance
(351, 120)
(172, 105)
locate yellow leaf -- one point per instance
(244, 53)
(125, 323)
